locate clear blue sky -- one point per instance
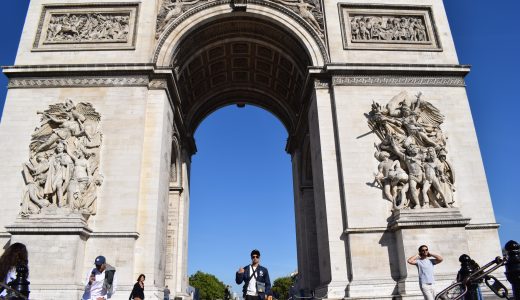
(241, 166)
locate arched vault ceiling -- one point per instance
(241, 60)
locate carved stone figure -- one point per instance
(34, 174)
(399, 183)
(58, 176)
(447, 177)
(170, 9)
(431, 169)
(91, 27)
(388, 28)
(382, 176)
(63, 168)
(306, 11)
(410, 133)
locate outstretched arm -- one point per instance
(54, 119)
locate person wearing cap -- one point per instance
(255, 278)
(101, 281)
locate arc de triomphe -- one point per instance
(104, 97)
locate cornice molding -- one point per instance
(78, 81)
(395, 80)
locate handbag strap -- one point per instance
(254, 271)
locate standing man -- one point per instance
(227, 293)
(101, 281)
(255, 277)
(425, 261)
(166, 293)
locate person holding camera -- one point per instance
(425, 261)
(101, 281)
(255, 277)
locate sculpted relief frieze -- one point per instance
(62, 174)
(86, 27)
(387, 28)
(382, 27)
(413, 169)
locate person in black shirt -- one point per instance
(138, 290)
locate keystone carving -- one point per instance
(62, 174)
(413, 171)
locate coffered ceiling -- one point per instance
(241, 61)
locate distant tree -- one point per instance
(281, 286)
(210, 288)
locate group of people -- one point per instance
(257, 285)
(101, 281)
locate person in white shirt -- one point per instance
(425, 261)
(257, 285)
(101, 281)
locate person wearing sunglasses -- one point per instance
(255, 278)
(425, 261)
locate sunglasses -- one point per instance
(424, 250)
(255, 256)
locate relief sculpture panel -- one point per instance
(62, 173)
(413, 170)
(386, 28)
(86, 27)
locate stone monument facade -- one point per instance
(104, 98)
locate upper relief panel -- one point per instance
(388, 29)
(87, 27)
(87, 32)
(389, 32)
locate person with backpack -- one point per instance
(257, 284)
(101, 281)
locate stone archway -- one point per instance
(247, 58)
(146, 73)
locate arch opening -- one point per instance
(241, 60)
(254, 59)
(239, 179)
